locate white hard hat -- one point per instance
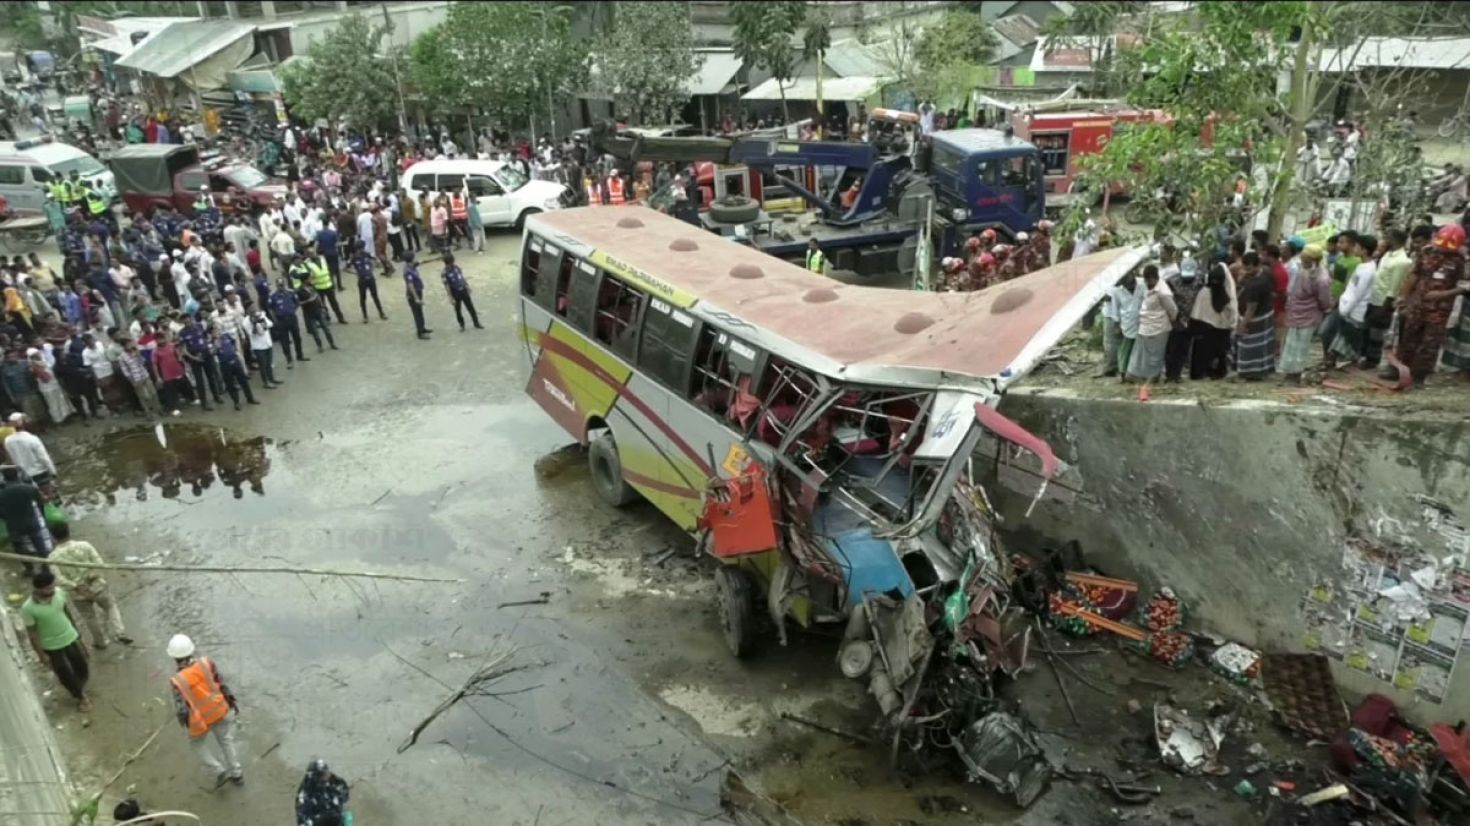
(180, 646)
(1021, 236)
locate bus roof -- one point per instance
(981, 140)
(875, 334)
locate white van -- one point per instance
(504, 196)
(28, 166)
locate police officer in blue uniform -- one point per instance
(199, 353)
(413, 287)
(314, 314)
(287, 330)
(367, 281)
(459, 292)
(233, 368)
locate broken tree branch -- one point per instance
(477, 685)
(243, 569)
(91, 805)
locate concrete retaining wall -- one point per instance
(1242, 509)
(33, 783)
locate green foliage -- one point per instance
(947, 55)
(763, 37)
(1215, 78)
(508, 59)
(648, 58)
(344, 77)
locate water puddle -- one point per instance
(171, 461)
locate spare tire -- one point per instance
(734, 209)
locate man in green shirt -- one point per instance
(54, 636)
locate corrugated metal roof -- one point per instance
(718, 68)
(805, 88)
(1399, 53)
(1019, 29)
(851, 58)
(172, 50)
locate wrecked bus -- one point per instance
(814, 436)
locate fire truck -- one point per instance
(1063, 135)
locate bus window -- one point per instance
(562, 301)
(530, 267)
(664, 348)
(724, 370)
(616, 322)
(552, 259)
(584, 295)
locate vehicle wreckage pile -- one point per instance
(939, 617)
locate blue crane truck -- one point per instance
(978, 179)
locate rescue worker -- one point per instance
(203, 704)
(459, 293)
(1041, 245)
(615, 192)
(95, 203)
(459, 218)
(1021, 253)
(816, 260)
(1005, 263)
(953, 277)
(982, 271)
(323, 283)
(314, 314)
(413, 287)
(73, 189)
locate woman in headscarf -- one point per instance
(1211, 320)
(321, 799)
(1308, 300)
(17, 313)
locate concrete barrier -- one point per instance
(33, 784)
(1244, 509)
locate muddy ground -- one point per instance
(425, 458)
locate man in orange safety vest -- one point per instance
(203, 704)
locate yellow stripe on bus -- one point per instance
(656, 287)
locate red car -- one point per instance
(153, 174)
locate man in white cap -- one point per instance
(203, 704)
(181, 278)
(26, 450)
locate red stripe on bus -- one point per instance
(567, 351)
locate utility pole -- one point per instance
(397, 77)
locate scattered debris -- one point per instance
(1301, 689)
(1187, 744)
(544, 598)
(1236, 663)
(1245, 788)
(479, 683)
(836, 732)
(1333, 792)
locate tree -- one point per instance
(949, 52)
(344, 77)
(815, 42)
(648, 59)
(511, 60)
(763, 38)
(1214, 79)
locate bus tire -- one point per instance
(737, 610)
(521, 219)
(734, 209)
(607, 472)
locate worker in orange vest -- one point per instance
(594, 196)
(203, 705)
(615, 189)
(459, 217)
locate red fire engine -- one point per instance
(1064, 135)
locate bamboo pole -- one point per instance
(243, 569)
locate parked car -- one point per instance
(28, 166)
(504, 196)
(151, 174)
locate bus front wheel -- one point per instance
(607, 472)
(737, 609)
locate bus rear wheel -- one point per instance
(607, 472)
(737, 610)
